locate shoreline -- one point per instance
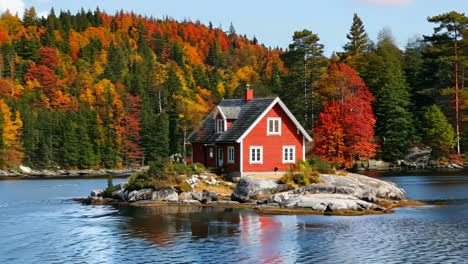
(258, 207)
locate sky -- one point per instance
(273, 22)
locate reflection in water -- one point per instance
(165, 224)
(42, 225)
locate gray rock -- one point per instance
(190, 202)
(248, 189)
(121, 186)
(120, 195)
(209, 196)
(143, 194)
(328, 203)
(203, 197)
(168, 194)
(97, 193)
(359, 186)
(279, 197)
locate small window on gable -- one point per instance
(274, 126)
(219, 125)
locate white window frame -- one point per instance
(211, 153)
(289, 154)
(220, 125)
(230, 154)
(257, 152)
(273, 119)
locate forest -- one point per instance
(93, 90)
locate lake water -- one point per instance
(39, 223)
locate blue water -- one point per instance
(41, 224)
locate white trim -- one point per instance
(231, 161)
(261, 116)
(269, 133)
(258, 148)
(241, 157)
(293, 154)
(223, 116)
(223, 122)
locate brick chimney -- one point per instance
(248, 95)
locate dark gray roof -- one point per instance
(248, 113)
(231, 107)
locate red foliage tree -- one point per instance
(344, 87)
(133, 152)
(49, 57)
(330, 135)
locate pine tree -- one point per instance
(395, 126)
(438, 133)
(358, 45)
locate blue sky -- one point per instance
(274, 21)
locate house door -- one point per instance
(220, 157)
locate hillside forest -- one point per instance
(93, 90)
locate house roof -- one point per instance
(247, 115)
(231, 107)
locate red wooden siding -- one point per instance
(272, 144)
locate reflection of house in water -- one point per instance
(165, 225)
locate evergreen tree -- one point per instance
(306, 65)
(394, 126)
(358, 45)
(438, 133)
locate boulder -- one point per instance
(203, 197)
(121, 186)
(248, 189)
(120, 195)
(359, 186)
(322, 202)
(167, 194)
(143, 194)
(25, 170)
(97, 193)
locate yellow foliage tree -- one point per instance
(10, 152)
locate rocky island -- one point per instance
(350, 194)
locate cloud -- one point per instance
(15, 6)
(385, 2)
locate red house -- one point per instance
(249, 135)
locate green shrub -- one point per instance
(301, 179)
(320, 165)
(197, 168)
(287, 177)
(110, 187)
(184, 187)
(139, 181)
(158, 168)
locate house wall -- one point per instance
(272, 144)
(232, 167)
(201, 153)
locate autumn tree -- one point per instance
(10, 141)
(348, 93)
(329, 135)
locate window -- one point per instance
(230, 154)
(211, 153)
(219, 125)
(274, 126)
(289, 154)
(256, 155)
